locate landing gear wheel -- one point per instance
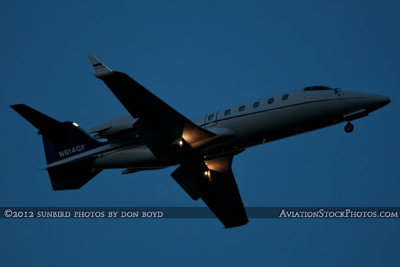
(349, 127)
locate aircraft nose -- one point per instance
(378, 101)
(381, 101)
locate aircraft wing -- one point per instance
(159, 124)
(213, 181)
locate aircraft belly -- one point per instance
(130, 157)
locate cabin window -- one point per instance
(211, 117)
(242, 108)
(271, 100)
(256, 104)
(285, 97)
(227, 112)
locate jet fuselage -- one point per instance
(247, 125)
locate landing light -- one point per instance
(180, 143)
(75, 124)
(207, 174)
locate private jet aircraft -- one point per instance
(155, 136)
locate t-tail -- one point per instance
(63, 140)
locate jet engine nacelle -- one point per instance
(113, 127)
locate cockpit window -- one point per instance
(317, 88)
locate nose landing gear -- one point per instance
(349, 127)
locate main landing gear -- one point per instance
(349, 127)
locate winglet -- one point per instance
(101, 70)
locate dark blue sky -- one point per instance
(200, 57)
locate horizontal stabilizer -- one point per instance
(39, 120)
(60, 139)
